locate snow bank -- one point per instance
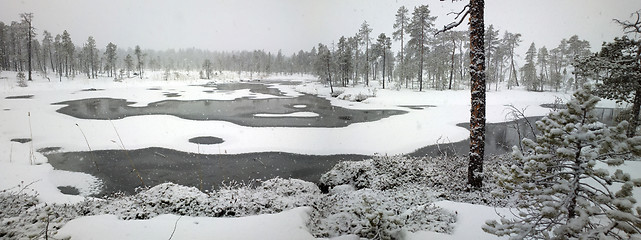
(289, 224)
(469, 219)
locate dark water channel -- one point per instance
(501, 137)
(160, 165)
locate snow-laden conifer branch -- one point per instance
(563, 192)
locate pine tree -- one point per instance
(323, 64)
(529, 69)
(47, 51)
(365, 39)
(555, 69)
(344, 58)
(91, 55)
(27, 18)
(381, 48)
(139, 58)
(111, 56)
(512, 40)
(563, 191)
(57, 45)
(491, 46)
(542, 61)
(400, 25)
(621, 78)
(68, 49)
(420, 28)
(208, 68)
(129, 64)
(577, 48)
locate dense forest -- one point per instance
(424, 60)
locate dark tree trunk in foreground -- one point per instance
(477, 73)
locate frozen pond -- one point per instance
(301, 111)
(158, 165)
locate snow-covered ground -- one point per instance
(24, 169)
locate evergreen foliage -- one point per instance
(420, 27)
(618, 70)
(529, 69)
(564, 190)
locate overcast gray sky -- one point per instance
(292, 25)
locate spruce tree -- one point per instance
(562, 188)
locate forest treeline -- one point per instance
(423, 60)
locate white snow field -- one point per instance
(22, 168)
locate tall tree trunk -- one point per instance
(636, 108)
(402, 66)
(29, 50)
(420, 72)
(637, 103)
(51, 60)
(452, 65)
(384, 53)
(329, 76)
(366, 62)
(477, 73)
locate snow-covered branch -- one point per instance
(447, 27)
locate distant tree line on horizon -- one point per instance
(424, 60)
(440, 61)
(60, 56)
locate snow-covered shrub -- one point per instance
(12, 204)
(563, 192)
(166, 198)
(361, 97)
(356, 173)
(272, 196)
(337, 93)
(23, 217)
(377, 214)
(21, 80)
(381, 172)
(445, 175)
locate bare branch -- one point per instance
(629, 27)
(454, 24)
(459, 13)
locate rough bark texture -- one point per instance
(636, 108)
(477, 73)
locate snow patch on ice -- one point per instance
(286, 115)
